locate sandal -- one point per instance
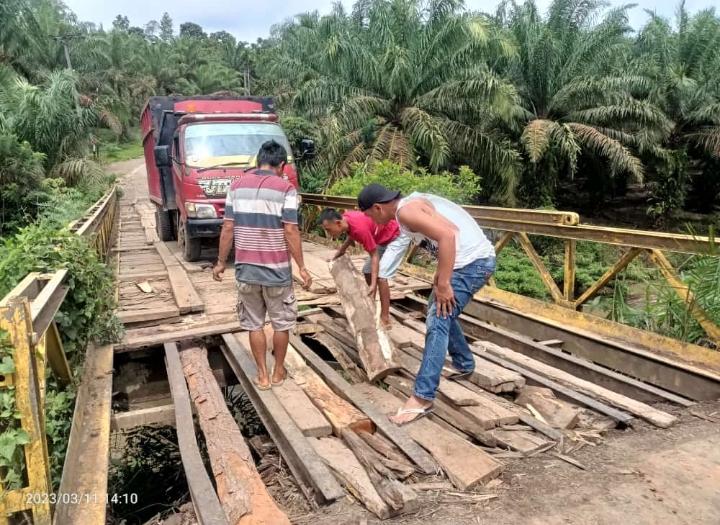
(260, 386)
(419, 413)
(457, 376)
(278, 383)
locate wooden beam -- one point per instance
(185, 294)
(373, 344)
(163, 415)
(653, 415)
(158, 335)
(567, 393)
(85, 471)
(609, 275)
(205, 501)
(240, 488)
(312, 475)
(342, 388)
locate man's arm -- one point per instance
(417, 217)
(341, 251)
(294, 242)
(374, 271)
(226, 242)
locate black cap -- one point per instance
(375, 194)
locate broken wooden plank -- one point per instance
(185, 294)
(163, 415)
(373, 344)
(240, 489)
(642, 410)
(555, 412)
(351, 474)
(465, 464)
(306, 415)
(342, 388)
(205, 500)
(450, 414)
(450, 390)
(520, 440)
(315, 480)
(397, 496)
(488, 375)
(568, 393)
(339, 352)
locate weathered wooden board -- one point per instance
(465, 464)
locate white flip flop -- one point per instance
(421, 412)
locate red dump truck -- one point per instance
(194, 148)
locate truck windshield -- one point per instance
(237, 143)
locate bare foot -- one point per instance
(386, 322)
(412, 409)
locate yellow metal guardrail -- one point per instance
(518, 224)
(26, 314)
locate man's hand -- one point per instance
(307, 280)
(373, 290)
(218, 270)
(339, 254)
(445, 299)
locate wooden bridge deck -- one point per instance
(478, 426)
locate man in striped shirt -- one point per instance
(261, 217)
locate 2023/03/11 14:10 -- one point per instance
(74, 498)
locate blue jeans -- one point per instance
(445, 335)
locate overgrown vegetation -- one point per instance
(461, 188)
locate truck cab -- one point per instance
(194, 148)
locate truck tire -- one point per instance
(191, 247)
(164, 225)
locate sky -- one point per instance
(249, 20)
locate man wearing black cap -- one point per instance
(466, 260)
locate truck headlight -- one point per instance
(200, 211)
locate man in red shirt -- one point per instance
(375, 238)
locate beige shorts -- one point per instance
(277, 302)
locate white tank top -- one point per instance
(470, 242)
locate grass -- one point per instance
(113, 151)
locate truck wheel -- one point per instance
(164, 225)
(191, 248)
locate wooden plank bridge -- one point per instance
(548, 377)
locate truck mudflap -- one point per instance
(204, 227)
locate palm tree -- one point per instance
(580, 103)
(403, 80)
(52, 121)
(684, 66)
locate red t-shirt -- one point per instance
(363, 230)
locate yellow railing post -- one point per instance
(15, 319)
(569, 275)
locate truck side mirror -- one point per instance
(162, 156)
(307, 149)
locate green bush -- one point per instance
(86, 315)
(461, 187)
(21, 175)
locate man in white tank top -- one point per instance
(466, 260)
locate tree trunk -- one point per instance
(240, 489)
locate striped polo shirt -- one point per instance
(259, 203)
